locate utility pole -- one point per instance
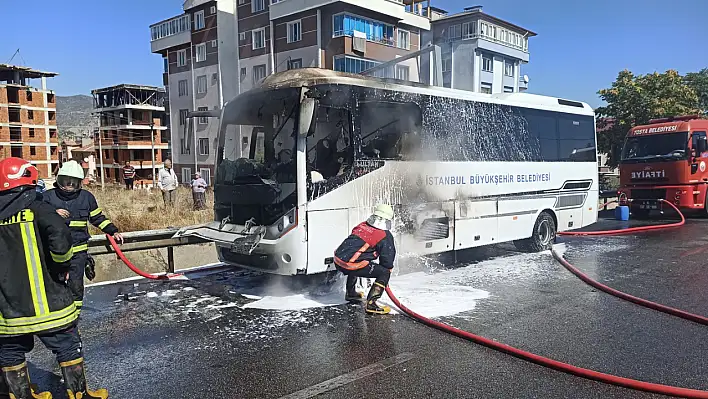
(152, 151)
(100, 154)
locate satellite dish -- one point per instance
(526, 78)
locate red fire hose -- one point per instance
(550, 363)
(132, 267)
(567, 368)
(629, 230)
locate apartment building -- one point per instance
(28, 123)
(131, 129)
(480, 52)
(216, 49)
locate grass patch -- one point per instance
(144, 210)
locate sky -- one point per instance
(580, 48)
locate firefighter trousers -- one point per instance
(76, 276)
(65, 344)
(372, 270)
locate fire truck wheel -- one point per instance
(544, 233)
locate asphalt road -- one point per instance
(192, 339)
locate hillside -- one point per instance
(74, 116)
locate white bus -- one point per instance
(306, 156)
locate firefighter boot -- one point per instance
(18, 386)
(375, 294)
(352, 295)
(75, 381)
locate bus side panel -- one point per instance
(590, 208)
(518, 216)
(325, 231)
(428, 228)
(476, 224)
(569, 218)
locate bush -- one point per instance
(144, 210)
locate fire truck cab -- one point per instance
(665, 159)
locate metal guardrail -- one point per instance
(144, 240)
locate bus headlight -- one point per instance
(286, 223)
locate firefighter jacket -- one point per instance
(35, 248)
(83, 208)
(365, 244)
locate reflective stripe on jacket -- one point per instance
(82, 210)
(365, 244)
(35, 247)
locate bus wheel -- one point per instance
(544, 232)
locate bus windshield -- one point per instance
(256, 173)
(661, 147)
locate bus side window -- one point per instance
(389, 128)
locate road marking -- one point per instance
(347, 378)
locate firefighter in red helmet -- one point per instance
(35, 248)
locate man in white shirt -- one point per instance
(167, 181)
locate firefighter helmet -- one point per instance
(72, 169)
(16, 172)
(384, 211)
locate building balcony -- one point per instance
(133, 126)
(170, 33)
(393, 8)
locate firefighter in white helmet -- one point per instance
(78, 207)
(370, 241)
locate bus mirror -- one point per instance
(307, 115)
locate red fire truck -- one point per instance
(665, 159)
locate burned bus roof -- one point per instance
(317, 76)
(668, 127)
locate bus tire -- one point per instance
(544, 233)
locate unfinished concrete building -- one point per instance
(131, 129)
(28, 122)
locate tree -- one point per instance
(634, 100)
(699, 82)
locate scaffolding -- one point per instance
(116, 96)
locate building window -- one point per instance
(487, 64)
(181, 58)
(454, 32)
(403, 72)
(212, 10)
(257, 5)
(486, 88)
(33, 151)
(203, 120)
(182, 88)
(199, 20)
(203, 146)
(214, 43)
(508, 68)
(186, 175)
(183, 117)
(447, 64)
(469, 29)
(30, 114)
(345, 25)
(242, 37)
(294, 31)
(29, 95)
(259, 73)
(295, 64)
(258, 38)
(184, 150)
(243, 73)
(201, 52)
(353, 64)
(206, 175)
(31, 132)
(201, 84)
(508, 89)
(404, 39)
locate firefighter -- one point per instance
(369, 241)
(78, 207)
(35, 247)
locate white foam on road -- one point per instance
(438, 294)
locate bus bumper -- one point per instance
(683, 196)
